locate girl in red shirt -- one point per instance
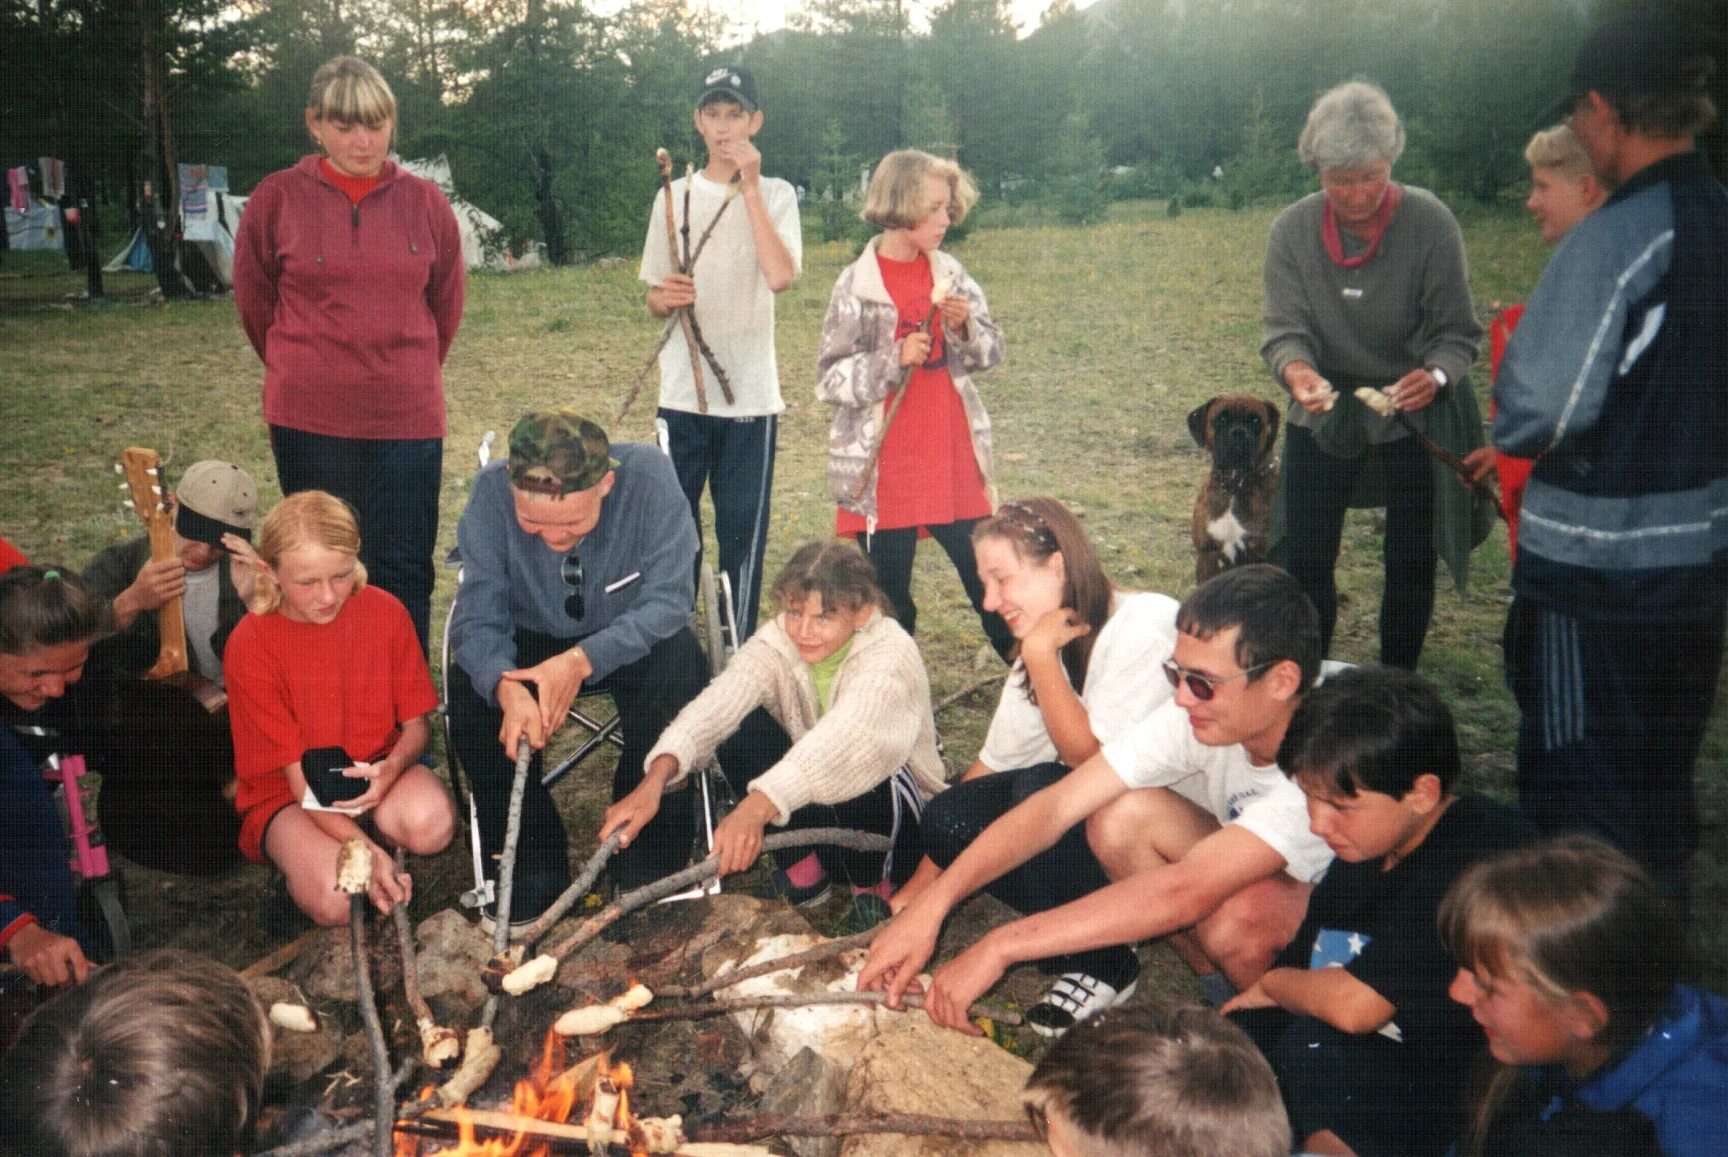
(910, 449)
(324, 661)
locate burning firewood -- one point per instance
(354, 876)
(603, 1113)
(293, 1017)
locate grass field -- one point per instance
(1113, 334)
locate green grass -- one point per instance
(1113, 334)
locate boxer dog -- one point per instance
(1235, 503)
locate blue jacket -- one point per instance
(638, 568)
(1618, 379)
(1677, 1076)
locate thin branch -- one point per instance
(700, 873)
(826, 950)
(507, 869)
(704, 1010)
(579, 888)
(950, 700)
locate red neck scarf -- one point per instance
(1376, 229)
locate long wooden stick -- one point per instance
(284, 955)
(949, 700)
(826, 950)
(507, 869)
(671, 326)
(577, 889)
(737, 1130)
(664, 159)
(700, 873)
(704, 1009)
(353, 876)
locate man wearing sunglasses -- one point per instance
(577, 559)
(1194, 828)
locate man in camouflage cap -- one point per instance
(577, 558)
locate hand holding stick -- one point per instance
(1381, 403)
(682, 315)
(937, 292)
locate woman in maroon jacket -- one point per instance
(348, 276)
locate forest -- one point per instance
(550, 112)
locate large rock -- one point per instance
(912, 1066)
(452, 953)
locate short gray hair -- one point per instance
(1351, 127)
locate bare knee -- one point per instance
(418, 816)
(326, 906)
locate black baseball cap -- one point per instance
(1639, 52)
(733, 82)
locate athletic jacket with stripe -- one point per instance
(1618, 380)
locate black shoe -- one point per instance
(779, 886)
(1076, 996)
(279, 915)
(531, 893)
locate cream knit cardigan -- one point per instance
(879, 717)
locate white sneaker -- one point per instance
(1074, 997)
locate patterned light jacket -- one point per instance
(858, 366)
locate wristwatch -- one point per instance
(1441, 380)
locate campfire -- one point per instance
(744, 1023)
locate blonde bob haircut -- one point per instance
(349, 90)
(309, 518)
(1559, 149)
(896, 198)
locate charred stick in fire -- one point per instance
(341, 1137)
(826, 950)
(507, 869)
(701, 873)
(353, 876)
(577, 889)
(938, 292)
(595, 1019)
(439, 1046)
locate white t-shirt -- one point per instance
(1125, 682)
(734, 305)
(1162, 752)
(203, 598)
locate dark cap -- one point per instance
(558, 452)
(1639, 52)
(732, 82)
(215, 498)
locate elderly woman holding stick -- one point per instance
(1366, 286)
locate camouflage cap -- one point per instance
(558, 452)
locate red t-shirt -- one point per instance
(928, 473)
(294, 686)
(10, 556)
(355, 188)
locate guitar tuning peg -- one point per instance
(123, 487)
(119, 469)
(155, 489)
(129, 505)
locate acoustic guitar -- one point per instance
(167, 757)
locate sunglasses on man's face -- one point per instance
(571, 571)
(1203, 687)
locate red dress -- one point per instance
(292, 686)
(928, 473)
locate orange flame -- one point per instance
(548, 1093)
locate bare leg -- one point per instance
(1249, 929)
(1326, 1143)
(416, 814)
(307, 858)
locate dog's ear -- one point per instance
(1197, 424)
(1272, 420)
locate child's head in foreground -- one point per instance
(161, 1054)
(1567, 952)
(1164, 1080)
(1376, 753)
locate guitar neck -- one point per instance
(171, 618)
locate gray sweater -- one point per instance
(637, 568)
(1407, 307)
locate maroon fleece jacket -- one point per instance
(352, 308)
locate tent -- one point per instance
(482, 234)
(209, 218)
